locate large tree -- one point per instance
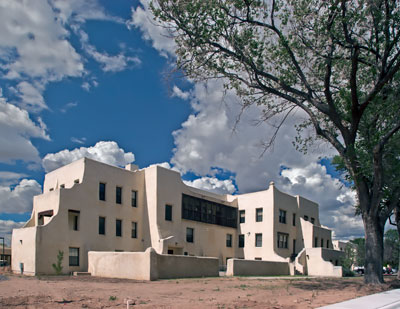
(333, 59)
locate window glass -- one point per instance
(118, 228)
(73, 256)
(283, 240)
(118, 195)
(168, 212)
(294, 220)
(242, 216)
(258, 240)
(134, 230)
(282, 216)
(102, 225)
(259, 215)
(241, 241)
(189, 234)
(134, 199)
(229, 240)
(102, 191)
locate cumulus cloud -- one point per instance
(9, 178)
(6, 227)
(213, 184)
(143, 19)
(106, 152)
(16, 129)
(30, 96)
(18, 199)
(177, 92)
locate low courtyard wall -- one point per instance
(150, 265)
(321, 262)
(240, 267)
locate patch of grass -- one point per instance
(242, 286)
(112, 297)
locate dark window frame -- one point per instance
(241, 241)
(190, 234)
(282, 216)
(75, 214)
(102, 191)
(201, 210)
(258, 240)
(168, 212)
(312, 220)
(305, 218)
(242, 219)
(118, 195)
(74, 259)
(284, 241)
(134, 229)
(259, 214)
(134, 195)
(118, 228)
(229, 240)
(294, 220)
(102, 225)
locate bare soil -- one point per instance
(239, 292)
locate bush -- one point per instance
(58, 267)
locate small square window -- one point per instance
(312, 220)
(306, 218)
(76, 181)
(73, 256)
(242, 216)
(102, 191)
(168, 212)
(118, 228)
(259, 214)
(134, 230)
(189, 234)
(118, 195)
(241, 241)
(229, 240)
(282, 216)
(134, 199)
(258, 240)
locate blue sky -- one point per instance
(94, 78)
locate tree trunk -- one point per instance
(397, 219)
(373, 249)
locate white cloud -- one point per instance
(31, 97)
(213, 184)
(16, 129)
(34, 42)
(6, 227)
(20, 198)
(107, 152)
(177, 92)
(9, 178)
(143, 18)
(68, 106)
(81, 140)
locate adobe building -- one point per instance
(91, 206)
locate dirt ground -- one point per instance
(239, 292)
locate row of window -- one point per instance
(118, 194)
(282, 216)
(118, 227)
(322, 242)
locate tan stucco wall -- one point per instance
(240, 267)
(318, 262)
(23, 244)
(149, 265)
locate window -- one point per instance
(118, 227)
(322, 242)
(118, 195)
(134, 199)
(327, 243)
(62, 186)
(189, 234)
(73, 256)
(73, 219)
(312, 220)
(259, 214)
(134, 230)
(241, 241)
(242, 217)
(201, 210)
(316, 242)
(294, 220)
(102, 191)
(76, 181)
(258, 240)
(306, 218)
(282, 216)
(168, 212)
(258, 259)
(102, 225)
(283, 240)
(229, 240)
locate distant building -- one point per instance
(91, 206)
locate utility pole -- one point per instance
(2, 257)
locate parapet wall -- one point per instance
(240, 267)
(150, 265)
(321, 262)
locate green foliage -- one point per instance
(359, 249)
(391, 248)
(112, 298)
(58, 266)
